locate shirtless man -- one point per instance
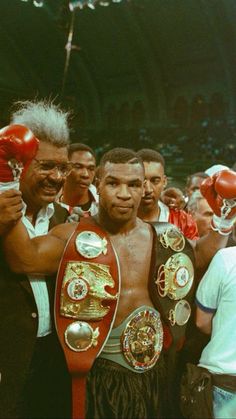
(119, 391)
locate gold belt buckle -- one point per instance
(142, 340)
(84, 291)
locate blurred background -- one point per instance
(137, 73)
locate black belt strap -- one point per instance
(228, 382)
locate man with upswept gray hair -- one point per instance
(201, 212)
(48, 121)
(34, 377)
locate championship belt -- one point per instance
(171, 280)
(136, 343)
(86, 300)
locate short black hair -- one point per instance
(150, 155)
(80, 147)
(121, 155)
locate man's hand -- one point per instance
(220, 193)
(173, 198)
(10, 209)
(18, 146)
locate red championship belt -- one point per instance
(86, 300)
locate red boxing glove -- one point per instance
(18, 146)
(220, 193)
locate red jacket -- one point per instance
(185, 222)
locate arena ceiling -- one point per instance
(131, 53)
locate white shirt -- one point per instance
(164, 212)
(39, 285)
(216, 293)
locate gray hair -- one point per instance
(48, 121)
(194, 200)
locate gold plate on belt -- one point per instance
(90, 245)
(175, 277)
(84, 290)
(180, 314)
(142, 340)
(172, 238)
(80, 336)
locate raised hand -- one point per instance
(18, 146)
(10, 209)
(220, 193)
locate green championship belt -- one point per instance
(171, 279)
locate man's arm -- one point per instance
(209, 291)
(10, 209)
(220, 193)
(204, 320)
(18, 146)
(40, 255)
(206, 247)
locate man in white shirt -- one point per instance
(216, 315)
(34, 378)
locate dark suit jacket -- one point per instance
(18, 327)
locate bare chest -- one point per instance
(134, 254)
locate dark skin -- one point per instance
(41, 188)
(75, 190)
(194, 185)
(120, 192)
(120, 189)
(10, 209)
(155, 181)
(173, 198)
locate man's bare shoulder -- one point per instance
(144, 227)
(63, 231)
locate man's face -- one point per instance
(83, 170)
(194, 185)
(120, 190)
(155, 181)
(42, 181)
(203, 216)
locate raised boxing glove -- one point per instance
(220, 193)
(18, 146)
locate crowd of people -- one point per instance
(212, 143)
(112, 281)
